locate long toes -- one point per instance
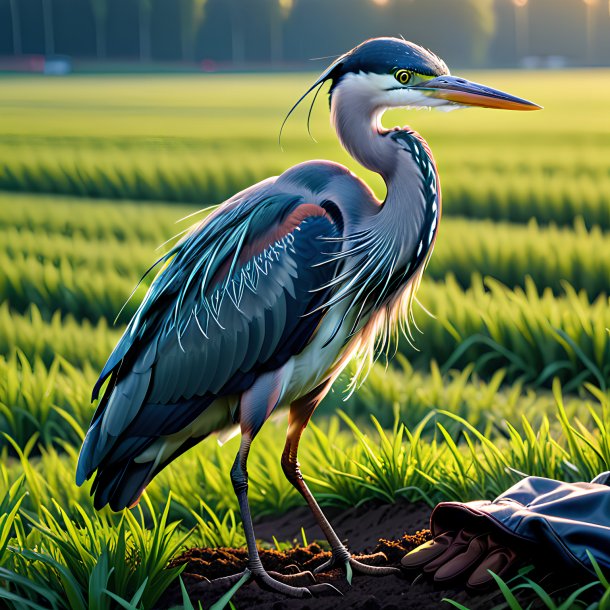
(300, 578)
(376, 570)
(324, 589)
(228, 581)
(234, 582)
(265, 581)
(371, 570)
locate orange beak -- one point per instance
(463, 92)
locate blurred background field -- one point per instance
(175, 138)
(510, 373)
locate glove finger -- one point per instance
(501, 560)
(459, 545)
(423, 554)
(462, 564)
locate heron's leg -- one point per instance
(255, 407)
(300, 414)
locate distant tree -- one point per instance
(238, 43)
(460, 29)
(485, 20)
(16, 27)
(145, 10)
(192, 13)
(100, 15)
(279, 12)
(49, 33)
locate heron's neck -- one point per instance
(358, 124)
(357, 120)
(412, 205)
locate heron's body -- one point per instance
(265, 302)
(201, 359)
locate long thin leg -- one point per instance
(255, 407)
(298, 418)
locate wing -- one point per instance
(234, 300)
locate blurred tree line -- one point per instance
(469, 32)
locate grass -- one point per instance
(80, 344)
(551, 256)
(79, 551)
(71, 561)
(52, 403)
(506, 251)
(511, 374)
(534, 337)
(74, 217)
(520, 592)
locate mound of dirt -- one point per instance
(216, 563)
(368, 530)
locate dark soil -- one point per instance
(367, 530)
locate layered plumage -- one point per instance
(242, 294)
(230, 304)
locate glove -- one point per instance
(463, 557)
(560, 523)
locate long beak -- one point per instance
(461, 91)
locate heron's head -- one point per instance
(394, 73)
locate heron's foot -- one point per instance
(299, 585)
(341, 558)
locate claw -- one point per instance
(327, 565)
(324, 589)
(265, 581)
(365, 568)
(277, 582)
(300, 578)
(418, 578)
(353, 565)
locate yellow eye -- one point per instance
(402, 76)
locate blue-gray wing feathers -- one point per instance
(209, 324)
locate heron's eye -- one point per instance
(402, 76)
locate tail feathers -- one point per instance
(120, 484)
(86, 466)
(119, 480)
(99, 449)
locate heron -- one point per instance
(262, 305)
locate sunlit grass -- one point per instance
(53, 402)
(53, 544)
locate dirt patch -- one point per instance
(216, 563)
(367, 530)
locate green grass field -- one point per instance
(511, 371)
